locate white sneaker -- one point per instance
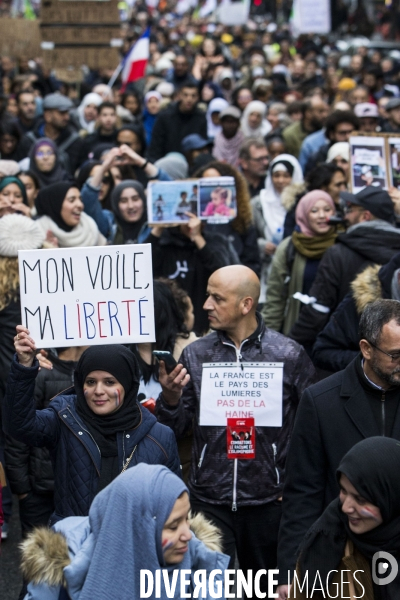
(4, 531)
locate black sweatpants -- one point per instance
(251, 530)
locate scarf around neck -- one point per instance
(122, 364)
(84, 234)
(228, 150)
(313, 247)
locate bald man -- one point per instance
(241, 496)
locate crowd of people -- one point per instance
(104, 447)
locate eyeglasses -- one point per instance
(261, 159)
(344, 132)
(394, 357)
(41, 154)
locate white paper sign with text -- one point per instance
(87, 296)
(242, 390)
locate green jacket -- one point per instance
(281, 311)
(294, 135)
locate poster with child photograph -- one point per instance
(217, 199)
(171, 202)
(368, 162)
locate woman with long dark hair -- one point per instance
(240, 231)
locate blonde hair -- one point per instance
(9, 281)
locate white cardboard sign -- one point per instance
(87, 296)
(241, 390)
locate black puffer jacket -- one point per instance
(212, 476)
(29, 469)
(338, 342)
(367, 243)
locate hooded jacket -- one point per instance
(363, 244)
(75, 455)
(213, 477)
(338, 342)
(58, 558)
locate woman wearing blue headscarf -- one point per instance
(139, 522)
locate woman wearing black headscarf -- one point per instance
(128, 203)
(60, 211)
(94, 431)
(364, 520)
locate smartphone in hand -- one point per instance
(170, 362)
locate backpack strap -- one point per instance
(74, 135)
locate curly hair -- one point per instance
(244, 218)
(9, 281)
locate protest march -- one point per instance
(199, 299)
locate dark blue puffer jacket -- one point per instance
(75, 455)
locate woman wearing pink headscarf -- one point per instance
(296, 260)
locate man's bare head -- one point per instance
(233, 294)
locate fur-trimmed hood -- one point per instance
(46, 552)
(366, 287)
(291, 194)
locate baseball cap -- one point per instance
(393, 103)
(57, 101)
(366, 109)
(194, 141)
(374, 199)
(230, 111)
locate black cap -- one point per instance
(374, 199)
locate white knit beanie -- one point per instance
(18, 232)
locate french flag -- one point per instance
(136, 60)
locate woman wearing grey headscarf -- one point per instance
(128, 203)
(137, 525)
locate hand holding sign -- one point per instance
(24, 346)
(173, 383)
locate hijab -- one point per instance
(304, 206)
(11, 179)
(84, 172)
(273, 212)
(130, 231)
(91, 98)
(265, 126)
(126, 521)
(372, 467)
(58, 173)
(216, 105)
(306, 242)
(122, 364)
(49, 202)
(227, 150)
(341, 149)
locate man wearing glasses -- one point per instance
(254, 162)
(359, 402)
